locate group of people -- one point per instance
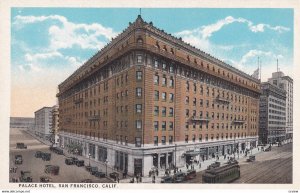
(137, 179)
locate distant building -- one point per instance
(55, 125)
(272, 114)
(43, 122)
(285, 83)
(22, 122)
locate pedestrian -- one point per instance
(141, 179)
(118, 180)
(199, 165)
(156, 172)
(187, 166)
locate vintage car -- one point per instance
(21, 146)
(251, 158)
(70, 160)
(80, 163)
(114, 175)
(26, 176)
(93, 170)
(18, 159)
(38, 154)
(167, 179)
(190, 174)
(179, 177)
(46, 156)
(51, 169)
(56, 150)
(45, 179)
(99, 174)
(268, 148)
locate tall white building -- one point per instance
(43, 122)
(285, 83)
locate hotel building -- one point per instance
(43, 122)
(148, 99)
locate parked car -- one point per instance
(179, 177)
(100, 174)
(38, 154)
(52, 169)
(167, 179)
(80, 163)
(45, 179)
(88, 168)
(21, 146)
(26, 176)
(46, 156)
(57, 150)
(94, 170)
(114, 175)
(18, 159)
(251, 158)
(70, 160)
(191, 174)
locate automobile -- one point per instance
(93, 170)
(52, 169)
(166, 179)
(87, 181)
(190, 174)
(179, 177)
(46, 156)
(251, 158)
(268, 149)
(100, 174)
(26, 176)
(80, 163)
(45, 179)
(88, 168)
(70, 160)
(21, 146)
(114, 175)
(18, 159)
(56, 150)
(38, 154)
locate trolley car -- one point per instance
(223, 174)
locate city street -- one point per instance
(275, 166)
(67, 173)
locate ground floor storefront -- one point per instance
(140, 160)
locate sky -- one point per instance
(48, 44)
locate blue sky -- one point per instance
(48, 44)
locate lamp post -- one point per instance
(175, 155)
(106, 162)
(89, 159)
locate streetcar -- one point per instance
(223, 174)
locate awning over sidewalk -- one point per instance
(192, 153)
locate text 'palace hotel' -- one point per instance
(149, 99)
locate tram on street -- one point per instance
(223, 174)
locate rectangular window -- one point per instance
(200, 137)
(155, 125)
(138, 124)
(156, 95)
(137, 142)
(164, 66)
(187, 112)
(170, 139)
(138, 108)
(156, 110)
(171, 82)
(155, 140)
(171, 126)
(201, 102)
(194, 138)
(139, 59)
(163, 125)
(164, 81)
(164, 96)
(155, 63)
(156, 79)
(171, 112)
(186, 125)
(171, 97)
(139, 75)
(163, 111)
(139, 92)
(186, 139)
(171, 68)
(194, 102)
(163, 140)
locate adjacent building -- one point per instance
(148, 99)
(285, 83)
(55, 126)
(272, 120)
(43, 122)
(22, 122)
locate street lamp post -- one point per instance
(106, 162)
(89, 159)
(175, 154)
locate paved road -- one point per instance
(67, 174)
(274, 167)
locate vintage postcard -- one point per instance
(116, 96)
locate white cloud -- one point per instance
(68, 34)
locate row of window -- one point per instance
(163, 111)
(163, 96)
(218, 115)
(212, 125)
(164, 81)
